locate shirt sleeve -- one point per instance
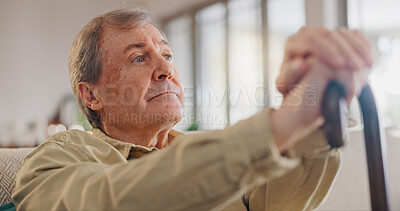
(304, 187)
(202, 171)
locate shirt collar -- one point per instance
(129, 150)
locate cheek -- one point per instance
(114, 75)
(129, 95)
(108, 95)
(133, 87)
(108, 87)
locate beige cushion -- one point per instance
(10, 162)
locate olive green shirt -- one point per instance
(231, 169)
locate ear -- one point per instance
(90, 96)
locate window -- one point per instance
(211, 70)
(246, 91)
(228, 74)
(282, 21)
(379, 21)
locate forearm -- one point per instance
(304, 187)
(308, 184)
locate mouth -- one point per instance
(161, 94)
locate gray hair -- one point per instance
(84, 55)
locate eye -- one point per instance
(168, 57)
(138, 59)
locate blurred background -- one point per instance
(228, 53)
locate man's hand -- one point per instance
(339, 49)
(313, 57)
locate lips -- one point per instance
(155, 92)
(163, 94)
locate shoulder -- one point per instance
(75, 143)
(71, 136)
(62, 141)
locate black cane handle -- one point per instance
(333, 110)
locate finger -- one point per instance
(285, 76)
(291, 72)
(317, 42)
(362, 80)
(352, 81)
(354, 60)
(296, 44)
(361, 45)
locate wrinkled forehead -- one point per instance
(143, 33)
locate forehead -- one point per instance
(121, 37)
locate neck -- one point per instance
(148, 136)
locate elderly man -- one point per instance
(124, 77)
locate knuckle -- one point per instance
(327, 33)
(322, 30)
(337, 34)
(304, 29)
(290, 40)
(356, 31)
(311, 39)
(345, 30)
(281, 89)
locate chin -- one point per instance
(163, 115)
(172, 116)
(165, 110)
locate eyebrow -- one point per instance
(134, 45)
(142, 45)
(165, 42)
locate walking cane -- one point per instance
(333, 106)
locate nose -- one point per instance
(163, 70)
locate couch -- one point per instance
(10, 162)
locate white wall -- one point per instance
(34, 42)
(35, 36)
(350, 190)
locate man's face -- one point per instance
(139, 85)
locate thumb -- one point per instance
(291, 73)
